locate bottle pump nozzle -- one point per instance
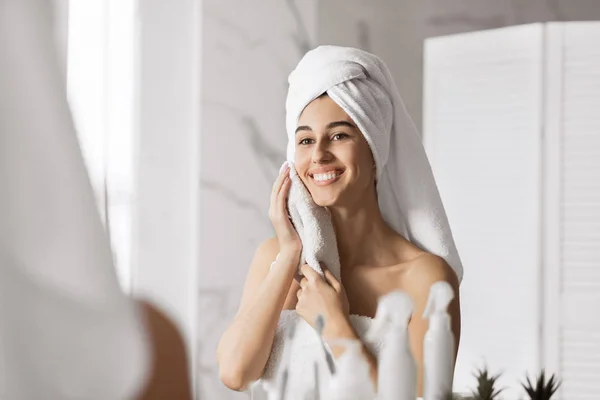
(395, 308)
(440, 296)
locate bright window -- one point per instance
(101, 90)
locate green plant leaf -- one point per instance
(543, 390)
(486, 386)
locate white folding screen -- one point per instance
(512, 128)
(482, 132)
(572, 223)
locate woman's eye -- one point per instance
(340, 136)
(304, 141)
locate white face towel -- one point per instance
(361, 84)
(314, 227)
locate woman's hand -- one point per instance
(289, 241)
(326, 297)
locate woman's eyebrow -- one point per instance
(330, 125)
(335, 124)
(303, 128)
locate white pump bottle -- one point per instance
(397, 370)
(439, 345)
(351, 380)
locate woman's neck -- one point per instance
(360, 231)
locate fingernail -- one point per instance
(285, 164)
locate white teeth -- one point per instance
(324, 177)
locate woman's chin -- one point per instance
(328, 197)
(325, 201)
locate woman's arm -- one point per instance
(245, 346)
(427, 270)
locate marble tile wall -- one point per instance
(249, 48)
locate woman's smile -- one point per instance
(324, 177)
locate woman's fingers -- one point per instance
(303, 283)
(283, 195)
(285, 231)
(333, 282)
(283, 173)
(310, 274)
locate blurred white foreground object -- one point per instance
(352, 380)
(66, 329)
(438, 345)
(397, 369)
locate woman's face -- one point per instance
(333, 159)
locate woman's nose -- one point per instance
(321, 153)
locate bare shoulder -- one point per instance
(425, 270)
(418, 278)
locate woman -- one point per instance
(348, 137)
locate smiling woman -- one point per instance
(352, 145)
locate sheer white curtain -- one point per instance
(100, 82)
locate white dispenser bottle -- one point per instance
(352, 380)
(397, 370)
(439, 345)
(278, 390)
